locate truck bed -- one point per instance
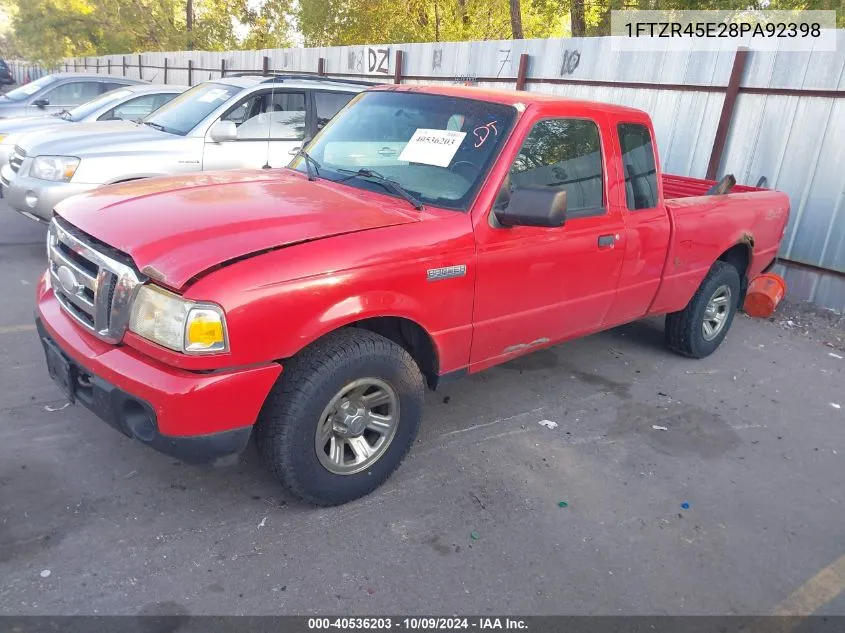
(686, 187)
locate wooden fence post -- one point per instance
(222, 67)
(321, 66)
(190, 72)
(85, 62)
(522, 73)
(725, 118)
(266, 65)
(140, 68)
(108, 62)
(98, 65)
(123, 59)
(397, 68)
(165, 71)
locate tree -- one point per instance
(49, 30)
(346, 22)
(516, 20)
(576, 16)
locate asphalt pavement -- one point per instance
(615, 425)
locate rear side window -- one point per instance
(638, 163)
(564, 154)
(328, 104)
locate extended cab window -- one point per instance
(564, 154)
(638, 163)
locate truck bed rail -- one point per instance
(687, 187)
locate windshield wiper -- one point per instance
(385, 182)
(155, 126)
(310, 162)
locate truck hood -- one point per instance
(175, 228)
(82, 139)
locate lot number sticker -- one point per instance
(432, 147)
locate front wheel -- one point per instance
(342, 417)
(697, 330)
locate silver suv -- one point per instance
(231, 123)
(130, 103)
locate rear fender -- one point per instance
(689, 262)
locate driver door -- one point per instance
(537, 286)
(260, 119)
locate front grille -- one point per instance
(17, 158)
(92, 287)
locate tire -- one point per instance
(286, 431)
(686, 332)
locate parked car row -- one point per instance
(423, 234)
(231, 123)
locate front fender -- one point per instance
(279, 301)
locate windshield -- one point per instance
(81, 111)
(437, 148)
(27, 90)
(184, 113)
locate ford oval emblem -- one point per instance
(67, 278)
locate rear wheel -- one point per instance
(700, 328)
(342, 417)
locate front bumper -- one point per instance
(197, 417)
(47, 194)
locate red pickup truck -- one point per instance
(427, 233)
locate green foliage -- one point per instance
(343, 22)
(48, 30)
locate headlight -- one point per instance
(179, 324)
(54, 168)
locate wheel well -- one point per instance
(739, 256)
(412, 337)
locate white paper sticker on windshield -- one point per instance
(432, 147)
(30, 88)
(214, 95)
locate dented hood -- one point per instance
(176, 228)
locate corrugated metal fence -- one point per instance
(782, 118)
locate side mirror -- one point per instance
(41, 103)
(223, 131)
(534, 206)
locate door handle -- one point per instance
(607, 241)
